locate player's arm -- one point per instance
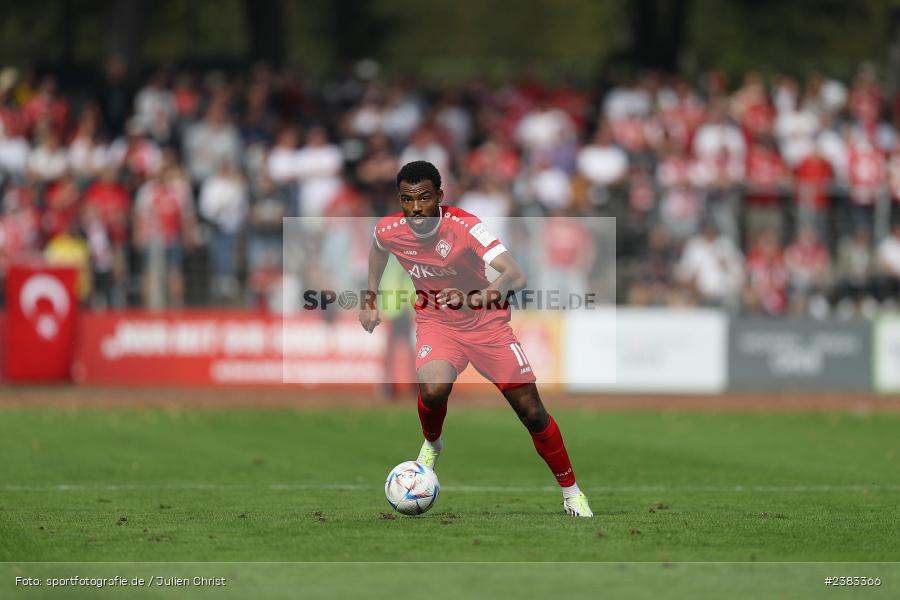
(511, 279)
(368, 313)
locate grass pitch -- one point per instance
(279, 485)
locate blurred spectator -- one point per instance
(87, 155)
(717, 135)
(653, 275)
(186, 97)
(766, 290)
(282, 161)
(257, 121)
(681, 204)
(603, 164)
(47, 161)
(114, 96)
(767, 180)
(401, 115)
(138, 156)
(888, 264)
(718, 177)
(264, 237)
(108, 205)
(809, 273)
(377, 174)
(550, 186)
(210, 142)
(813, 178)
(224, 202)
(155, 102)
(164, 225)
(319, 164)
(490, 201)
(854, 275)
(868, 179)
(711, 266)
(46, 109)
(425, 146)
(61, 208)
(14, 153)
(569, 252)
(20, 226)
(69, 248)
(102, 261)
(495, 157)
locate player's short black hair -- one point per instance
(417, 171)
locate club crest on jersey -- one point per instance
(423, 351)
(443, 248)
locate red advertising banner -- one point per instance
(40, 323)
(226, 348)
(2, 345)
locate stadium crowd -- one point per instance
(773, 196)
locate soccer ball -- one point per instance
(411, 488)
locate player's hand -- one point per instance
(452, 298)
(369, 318)
(484, 297)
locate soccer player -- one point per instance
(461, 316)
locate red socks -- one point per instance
(432, 420)
(549, 444)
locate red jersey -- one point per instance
(813, 175)
(453, 255)
(113, 204)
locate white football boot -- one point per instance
(577, 506)
(430, 452)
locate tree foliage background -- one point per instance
(447, 39)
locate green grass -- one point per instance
(104, 485)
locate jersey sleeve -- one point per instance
(483, 243)
(378, 241)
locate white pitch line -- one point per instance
(357, 487)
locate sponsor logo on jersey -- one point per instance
(480, 233)
(423, 351)
(443, 248)
(424, 271)
(410, 252)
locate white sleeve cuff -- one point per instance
(494, 253)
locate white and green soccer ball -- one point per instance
(411, 488)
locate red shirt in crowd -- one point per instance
(812, 178)
(765, 171)
(112, 203)
(62, 207)
(162, 206)
(807, 258)
(51, 108)
(867, 173)
(768, 278)
(566, 243)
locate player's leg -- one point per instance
(499, 356)
(439, 359)
(548, 441)
(435, 384)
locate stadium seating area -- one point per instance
(770, 196)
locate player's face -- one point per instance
(420, 204)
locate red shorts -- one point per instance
(493, 350)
